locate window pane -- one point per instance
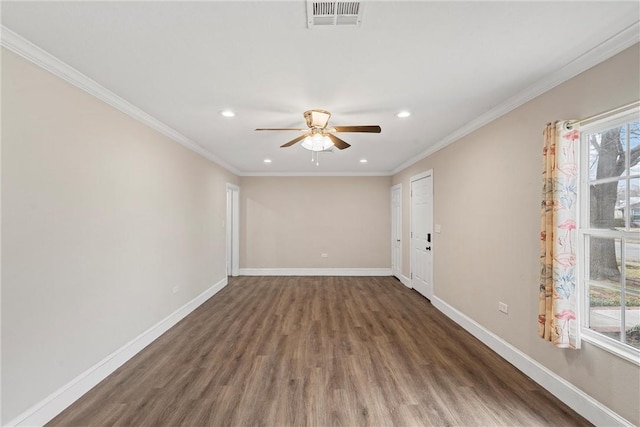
(604, 260)
(632, 325)
(607, 205)
(604, 311)
(634, 204)
(634, 141)
(632, 265)
(605, 297)
(632, 292)
(606, 153)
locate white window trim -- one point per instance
(611, 345)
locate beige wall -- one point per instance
(101, 218)
(287, 222)
(486, 196)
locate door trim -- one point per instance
(411, 180)
(233, 230)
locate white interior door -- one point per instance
(422, 234)
(229, 227)
(396, 230)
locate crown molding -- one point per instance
(29, 51)
(605, 50)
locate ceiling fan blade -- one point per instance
(338, 142)
(293, 141)
(301, 130)
(370, 129)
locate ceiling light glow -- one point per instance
(363, 160)
(227, 113)
(267, 160)
(403, 114)
(317, 142)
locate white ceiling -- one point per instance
(449, 63)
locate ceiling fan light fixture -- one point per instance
(320, 137)
(317, 142)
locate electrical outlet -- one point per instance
(176, 289)
(324, 255)
(503, 307)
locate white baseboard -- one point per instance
(315, 272)
(45, 410)
(572, 396)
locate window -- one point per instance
(609, 233)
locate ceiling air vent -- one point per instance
(324, 14)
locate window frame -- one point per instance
(600, 124)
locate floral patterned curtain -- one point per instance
(557, 315)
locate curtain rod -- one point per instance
(606, 113)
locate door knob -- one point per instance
(428, 248)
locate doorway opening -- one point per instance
(232, 228)
(396, 231)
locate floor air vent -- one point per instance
(324, 14)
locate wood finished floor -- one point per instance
(317, 351)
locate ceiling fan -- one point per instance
(319, 136)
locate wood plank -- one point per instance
(316, 351)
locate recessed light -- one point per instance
(267, 160)
(363, 160)
(227, 113)
(403, 114)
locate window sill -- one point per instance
(612, 346)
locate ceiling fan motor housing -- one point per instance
(317, 118)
